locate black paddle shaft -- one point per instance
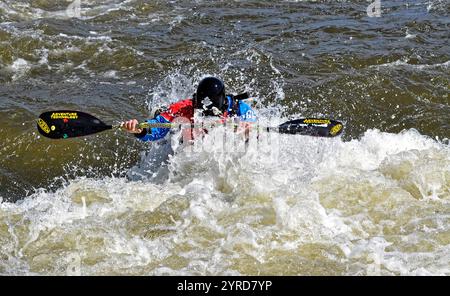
(63, 124)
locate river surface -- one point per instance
(374, 201)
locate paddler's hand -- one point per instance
(131, 126)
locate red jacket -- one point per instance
(183, 112)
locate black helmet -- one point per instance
(213, 89)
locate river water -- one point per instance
(375, 201)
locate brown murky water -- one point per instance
(375, 201)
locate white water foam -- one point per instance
(404, 63)
(365, 206)
(19, 67)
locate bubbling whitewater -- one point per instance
(378, 205)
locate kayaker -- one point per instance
(210, 99)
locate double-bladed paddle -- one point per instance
(63, 124)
